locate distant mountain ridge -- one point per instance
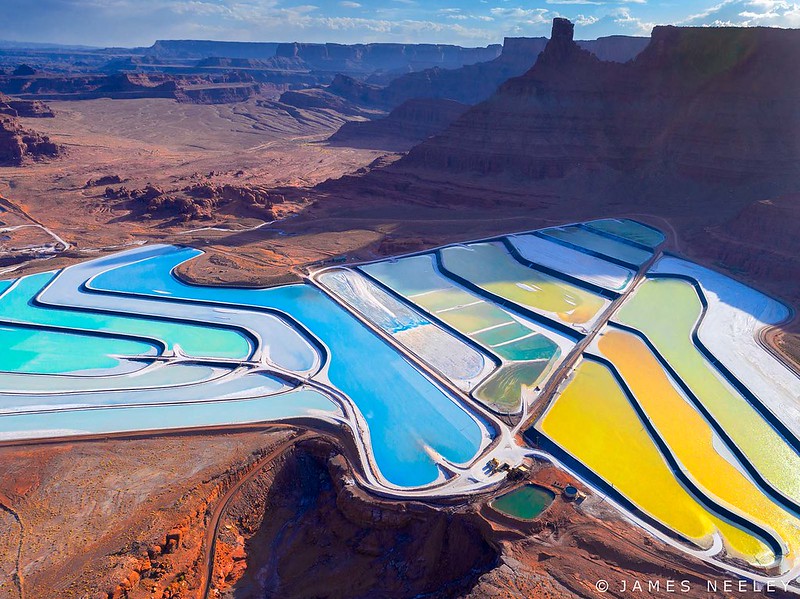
(328, 56)
(474, 83)
(199, 49)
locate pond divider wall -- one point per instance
(767, 536)
(508, 304)
(764, 484)
(596, 254)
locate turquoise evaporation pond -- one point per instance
(406, 413)
(195, 341)
(594, 242)
(37, 351)
(132, 419)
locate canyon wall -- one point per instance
(707, 104)
(306, 515)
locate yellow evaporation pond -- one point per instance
(595, 423)
(492, 268)
(690, 437)
(666, 310)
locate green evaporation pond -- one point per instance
(535, 347)
(503, 390)
(502, 334)
(525, 503)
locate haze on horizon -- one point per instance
(463, 22)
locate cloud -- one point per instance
(595, 2)
(748, 13)
(623, 16)
(140, 22)
(584, 21)
(528, 16)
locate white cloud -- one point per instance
(585, 21)
(595, 2)
(129, 22)
(748, 13)
(528, 16)
(623, 16)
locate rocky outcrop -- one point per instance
(23, 70)
(469, 84)
(198, 49)
(18, 144)
(170, 566)
(356, 91)
(761, 241)
(711, 104)
(407, 125)
(279, 63)
(330, 57)
(24, 108)
(217, 88)
(217, 93)
(305, 514)
(197, 201)
(84, 87)
(103, 181)
(316, 98)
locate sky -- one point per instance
(463, 22)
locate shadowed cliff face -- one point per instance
(707, 104)
(321, 538)
(407, 125)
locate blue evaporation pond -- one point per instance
(247, 386)
(196, 341)
(406, 413)
(131, 419)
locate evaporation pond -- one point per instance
(525, 503)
